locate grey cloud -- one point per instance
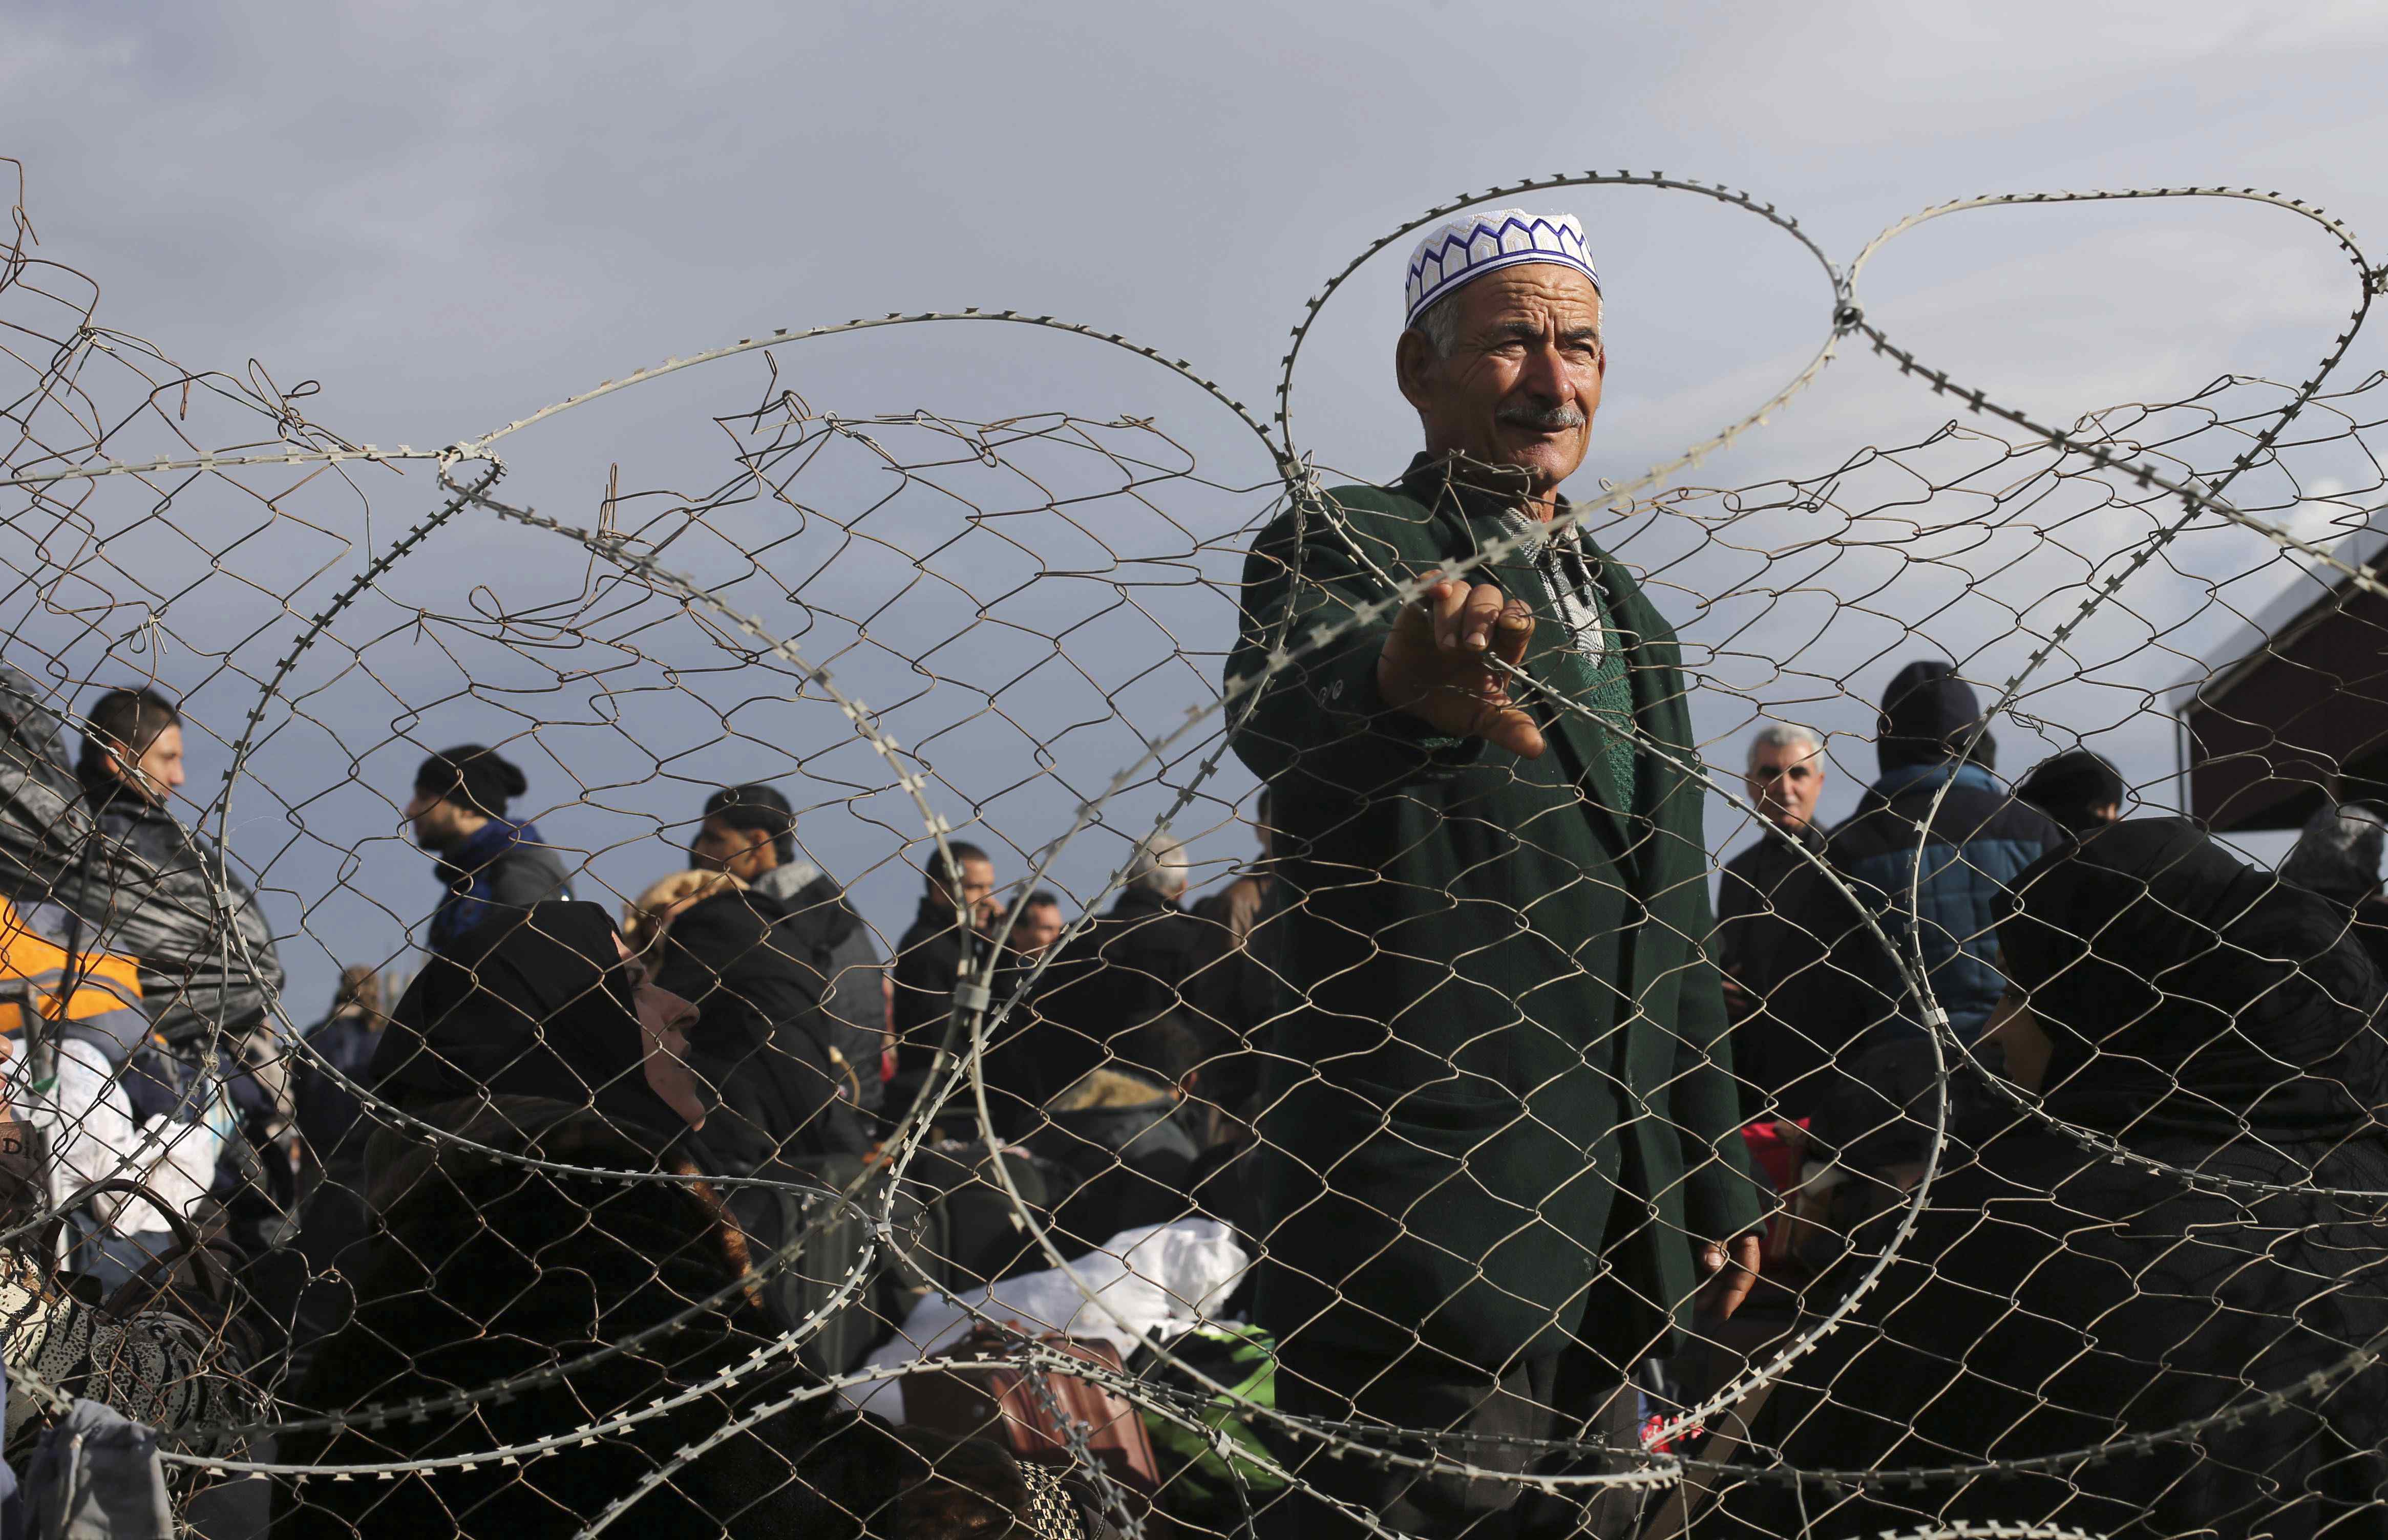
(453, 215)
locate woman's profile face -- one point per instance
(664, 1021)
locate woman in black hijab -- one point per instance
(757, 1031)
(2201, 1013)
(549, 1042)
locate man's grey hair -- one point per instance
(1784, 735)
(1440, 326)
(1158, 866)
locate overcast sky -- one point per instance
(452, 215)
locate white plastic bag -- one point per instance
(1157, 1277)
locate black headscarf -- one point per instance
(2188, 993)
(759, 1033)
(542, 1007)
(2072, 786)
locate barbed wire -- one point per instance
(873, 1239)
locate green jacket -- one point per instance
(1501, 1071)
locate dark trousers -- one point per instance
(1572, 1398)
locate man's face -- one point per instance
(978, 889)
(1784, 779)
(159, 771)
(435, 822)
(1038, 927)
(745, 854)
(1522, 380)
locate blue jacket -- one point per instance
(504, 867)
(325, 1109)
(1976, 842)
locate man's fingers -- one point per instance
(1482, 610)
(1505, 726)
(1736, 1273)
(1443, 653)
(1512, 631)
(1444, 601)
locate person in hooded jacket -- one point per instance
(2194, 1011)
(2337, 855)
(545, 1040)
(490, 867)
(750, 832)
(1939, 807)
(1929, 718)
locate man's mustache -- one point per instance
(1555, 419)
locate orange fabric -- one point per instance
(108, 982)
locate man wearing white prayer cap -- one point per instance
(1499, 1162)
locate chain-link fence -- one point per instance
(901, 975)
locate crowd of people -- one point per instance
(736, 1021)
(1515, 1118)
(739, 1021)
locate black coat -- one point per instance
(930, 959)
(1233, 991)
(143, 884)
(760, 1039)
(540, 1008)
(2049, 1301)
(1504, 1030)
(1124, 969)
(484, 1270)
(2053, 1300)
(1775, 923)
(1025, 1064)
(822, 928)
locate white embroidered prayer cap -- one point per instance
(1473, 245)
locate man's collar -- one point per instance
(1141, 898)
(787, 880)
(491, 837)
(939, 910)
(1806, 834)
(106, 792)
(1481, 491)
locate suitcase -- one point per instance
(797, 1293)
(1004, 1404)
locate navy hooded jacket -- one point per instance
(501, 870)
(1969, 847)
